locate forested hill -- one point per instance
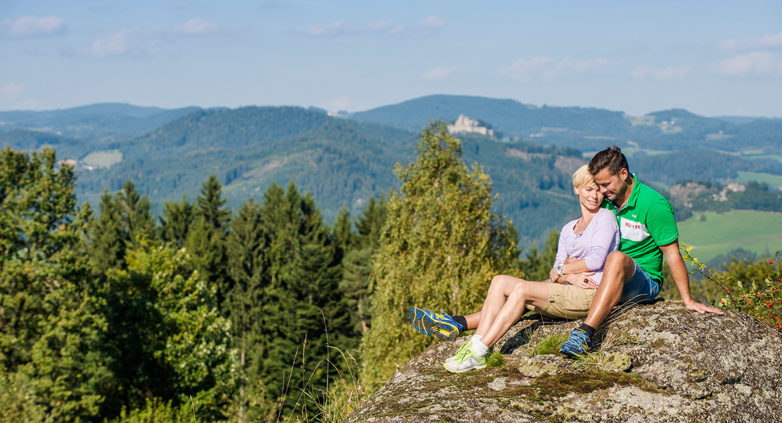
(345, 160)
(341, 162)
(586, 128)
(93, 121)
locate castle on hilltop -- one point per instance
(465, 124)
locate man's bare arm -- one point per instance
(682, 278)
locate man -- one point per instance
(648, 233)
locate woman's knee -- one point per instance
(519, 292)
(502, 283)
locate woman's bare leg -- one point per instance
(523, 293)
(500, 288)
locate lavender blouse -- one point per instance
(599, 238)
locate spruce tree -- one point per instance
(211, 212)
(109, 239)
(136, 214)
(176, 221)
(303, 312)
(357, 263)
(247, 242)
(440, 247)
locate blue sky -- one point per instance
(710, 57)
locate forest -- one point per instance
(264, 313)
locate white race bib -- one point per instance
(632, 231)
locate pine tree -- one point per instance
(109, 240)
(440, 247)
(303, 312)
(357, 263)
(176, 220)
(136, 214)
(211, 211)
(247, 242)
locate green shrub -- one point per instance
(747, 287)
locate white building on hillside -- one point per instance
(465, 124)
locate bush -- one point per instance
(747, 287)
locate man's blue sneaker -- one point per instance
(577, 345)
(440, 325)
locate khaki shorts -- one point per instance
(566, 301)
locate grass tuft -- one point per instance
(550, 344)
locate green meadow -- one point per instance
(711, 234)
(770, 179)
(103, 159)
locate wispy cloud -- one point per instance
(438, 73)
(764, 42)
(380, 27)
(196, 26)
(128, 41)
(12, 91)
(13, 94)
(758, 63)
(337, 104)
(667, 73)
(148, 40)
(328, 30)
(545, 67)
(432, 22)
(32, 25)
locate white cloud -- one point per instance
(438, 73)
(764, 42)
(385, 27)
(129, 41)
(12, 91)
(337, 104)
(32, 25)
(667, 73)
(13, 94)
(761, 63)
(329, 30)
(432, 22)
(148, 40)
(546, 67)
(381, 27)
(196, 26)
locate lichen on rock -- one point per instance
(653, 363)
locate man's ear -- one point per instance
(623, 174)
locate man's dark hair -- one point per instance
(611, 158)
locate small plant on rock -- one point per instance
(754, 288)
(550, 344)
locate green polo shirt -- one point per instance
(645, 223)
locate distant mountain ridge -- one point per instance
(343, 161)
(586, 128)
(93, 121)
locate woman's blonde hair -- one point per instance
(582, 178)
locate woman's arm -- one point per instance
(603, 241)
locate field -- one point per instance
(103, 159)
(770, 179)
(759, 232)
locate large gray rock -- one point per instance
(654, 363)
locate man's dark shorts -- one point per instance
(641, 288)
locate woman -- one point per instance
(583, 246)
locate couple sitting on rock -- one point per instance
(611, 255)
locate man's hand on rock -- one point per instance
(702, 308)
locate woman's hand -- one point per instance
(581, 280)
